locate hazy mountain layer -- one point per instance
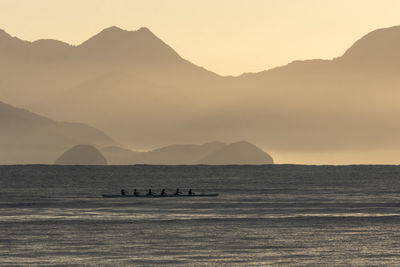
(27, 138)
(137, 88)
(81, 155)
(237, 153)
(214, 153)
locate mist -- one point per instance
(139, 90)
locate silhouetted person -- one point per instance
(149, 193)
(162, 192)
(135, 193)
(177, 192)
(190, 192)
(122, 192)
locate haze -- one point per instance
(228, 37)
(157, 78)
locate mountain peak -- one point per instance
(380, 45)
(113, 28)
(144, 29)
(107, 33)
(114, 43)
(117, 34)
(241, 152)
(82, 155)
(4, 35)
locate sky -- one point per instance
(228, 37)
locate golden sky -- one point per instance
(226, 36)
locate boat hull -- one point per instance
(158, 196)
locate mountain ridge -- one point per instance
(81, 155)
(27, 138)
(114, 31)
(112, 43)
(211, 153)
(347, 103)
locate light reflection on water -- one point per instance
(306, 215)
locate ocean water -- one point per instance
(264, 215)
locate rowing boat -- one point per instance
(160, 196)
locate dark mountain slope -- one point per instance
(26, 137)
(135, 87)
(237, 153)
(377, 49)
(213, 153)
(81, 155)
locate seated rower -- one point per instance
(190, 193)
(122, 192)
(135, 193)
(177, 193)
(162, 192)
(149, 193)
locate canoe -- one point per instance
(159, 196)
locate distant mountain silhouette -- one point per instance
(26, 137)
(81, 155)
(237, 153)
(214, 153)
(180, 154)
(133, 47)
(377, 49)
(115, 44)
(137, 88)
(12, 48)
(120, 156)
(44, 69)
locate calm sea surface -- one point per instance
(278, 215)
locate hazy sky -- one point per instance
(226, 36)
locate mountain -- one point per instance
(133, 47)
(137, 88)
(116, 155)
(26, 137)
(49, 67)
(81, 155)
(213, 153)
(237, 153)
(115, 44)
(377, 49)
(344, 104)
(179, 154)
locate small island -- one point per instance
(82, 155)
(213, 153)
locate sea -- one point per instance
(285, 215)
